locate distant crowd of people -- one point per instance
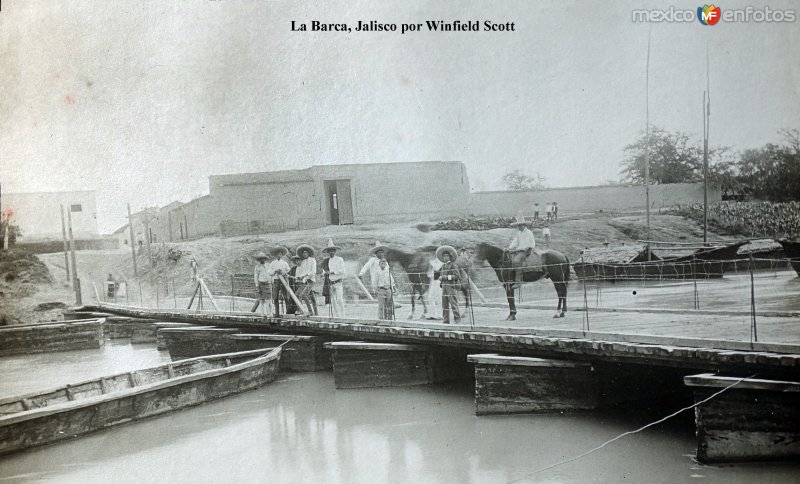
(755, 219)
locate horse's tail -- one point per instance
(566, 270)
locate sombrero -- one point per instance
(446, 248)
(278, 251)
(302, 247)
(520, 221)
(331, 246)
(377, 247)
(261, 255)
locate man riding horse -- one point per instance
(520, 249)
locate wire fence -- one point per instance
(739, 291)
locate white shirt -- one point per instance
(546, 231)
(523, 240)
(261, 273)
(373, 267)
(278, 266)
(307, 270)
(382, 277)
(336, 268)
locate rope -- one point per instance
(631, 432)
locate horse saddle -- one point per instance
(533, 262)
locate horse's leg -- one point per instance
(561, 292)
(512, 306)
(413, 307)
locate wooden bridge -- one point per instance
(539, 366)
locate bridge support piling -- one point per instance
(358, 364)
(754, 420)
(514, 384)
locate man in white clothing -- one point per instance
(380, 278)
(520, 248)
(278, 268)
(336, 273)
(306, 275)
(262, 281)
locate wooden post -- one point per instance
(361, 285)
(208, 292)
(75, 284)
(147, 239)
(292, 295)
(133, 243)
(476, 290)
(194, 293)
(96, 294)
(66, 246)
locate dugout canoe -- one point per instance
(81, 408)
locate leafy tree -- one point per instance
(673, 159)
(773, 171)
(516, 180)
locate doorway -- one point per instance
(339, 202)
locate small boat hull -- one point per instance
(79, 409)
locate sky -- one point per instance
(142, 101)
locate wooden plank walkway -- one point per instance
(560, 338)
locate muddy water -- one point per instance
(300, 429)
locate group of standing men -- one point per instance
(272, 279)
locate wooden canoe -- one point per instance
(81, 408)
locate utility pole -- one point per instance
(66, 246)
(133, 243)
(147, 237)
(647, 142)
(706, 126)
(76, 285)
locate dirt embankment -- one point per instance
(27, 291)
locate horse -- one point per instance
(555, 266)
(416, 265)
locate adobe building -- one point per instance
(338, 195)
(38, 214)
(277, 201)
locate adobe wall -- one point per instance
(589, 199)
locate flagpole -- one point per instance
(706, 126)
(647, 142)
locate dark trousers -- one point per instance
(450, 303)
(278, 293)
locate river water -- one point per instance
(301, 429)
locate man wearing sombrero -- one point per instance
(450, 277)
(277, 268)
(306, 275)
(291, 307)
(336, 279)
(263, 282)
(520, 248)
(380, 277)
